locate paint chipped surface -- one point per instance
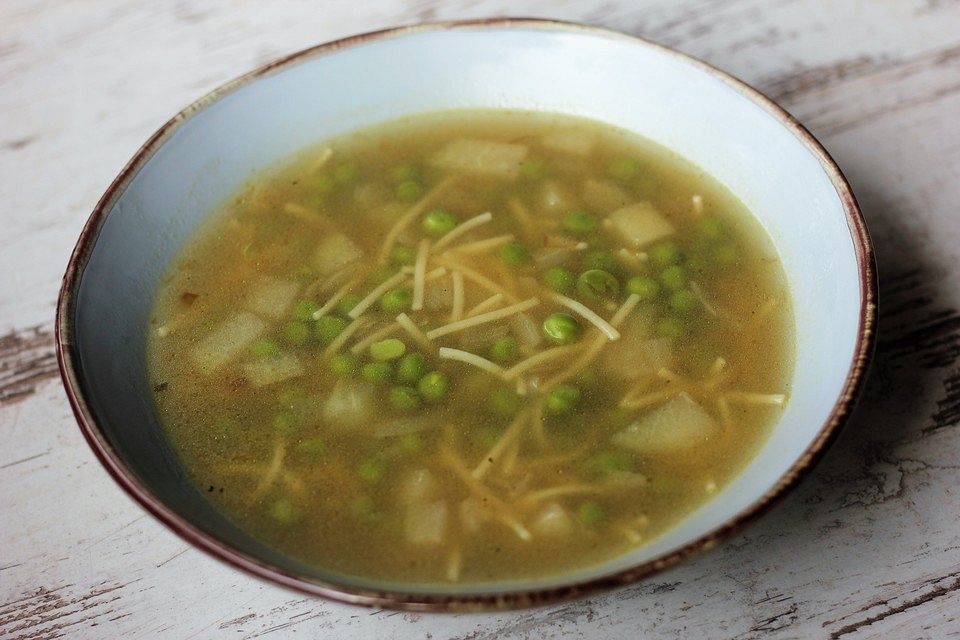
(866, 547)
(27, 360)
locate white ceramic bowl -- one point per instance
(205, 153)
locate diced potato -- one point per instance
(678, 425)
(552, 520)
(603, 195)
(472, 514)
(426, 522)
(481, 157)
(634, 359)
(261, 373)
(556, 198)
(526, 330)
(227, 341)
(335, 252)
(639, 224)
(271, 298)
(570, 141)
(350, 405)
(419, 486)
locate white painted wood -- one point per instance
(867, 546)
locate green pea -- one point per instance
(515, 254)
(434, 386)
(613, 462)
(381, 274)
(725, 254)
(344, 365)
(296, 332)
(684, 301)
(404, 399)
(600, 260)
(265, 348)
(711, 228)
(590, 513)
(372, 470)
(409, 190)
(411, 368)
(671, 328)
(285, 423)
(580, 223)
(324, 184)
(596, 284)
(697, 264)
(561, 328)
(411, 442)
(534, 169)
(365, 510)
(305, 275)
(624, 169)
(377, 372)
(505, 350)
(504, 402)
(560, 280)
(304, 310)
(563, 399)
(673, 278)
(396, 301)
(348, 302)
(346, 174)
(389, 349)
(313, 447)
(666, 254)
(644, 286)
(439, 222)
(329, 327)
(403, 255)
(404, 172)
(285, 512)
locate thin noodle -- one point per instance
(374, 295)
(523, 217)
(413, 212)
(462, 228)
(538, 359)
(345, 335)
(337, 296)
(477, 278)
(486, 305)
(379, 334)
(481, 245)
(446, 353)
(459, 299)
(512, 433)
(490, 316)
(419, 337)
(585, 312)
(419, 271)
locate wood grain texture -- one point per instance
(866, 547)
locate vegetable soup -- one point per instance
(471, 346)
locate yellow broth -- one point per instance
(508, 473)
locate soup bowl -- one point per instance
(206, 152)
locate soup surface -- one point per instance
(471, 346)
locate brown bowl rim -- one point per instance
(70, 374)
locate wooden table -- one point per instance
(867, 546)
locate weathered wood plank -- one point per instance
(865, 547)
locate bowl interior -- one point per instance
(665, 97)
